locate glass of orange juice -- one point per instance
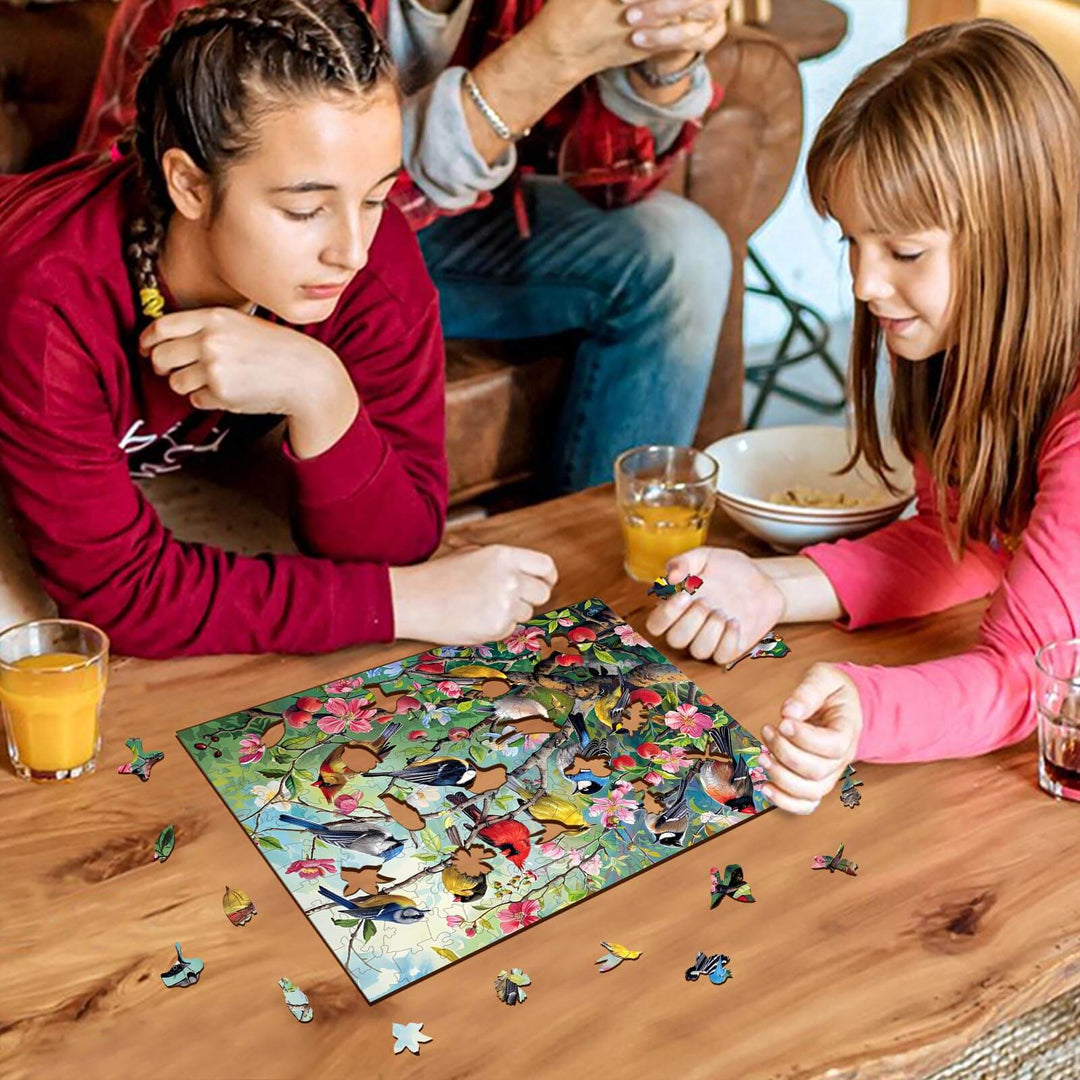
(666, 496)
(52, 681)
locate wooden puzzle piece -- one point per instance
(730, 883)
(297, 1001)
(237, 906)
(141, 763)
(836, 862)
(185, 972)
(164, 844)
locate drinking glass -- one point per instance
(666, 496)
(1057, 699)
(52, 682)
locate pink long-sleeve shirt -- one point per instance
(982, 699)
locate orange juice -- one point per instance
(655, 534)
(52, 715)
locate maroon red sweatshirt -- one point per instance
(81, 412)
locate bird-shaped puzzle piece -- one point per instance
(297, 1001)
(510, 986)
(832, 863)
(615, 955)
(730, 883)
(716, 967)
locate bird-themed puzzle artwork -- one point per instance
(141, 762)
(716, 967)
(850, 795)
(771, 645)
(664, 589)
(185, 972)
(730, 883)
(430, 807)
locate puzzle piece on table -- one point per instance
(164, 844)
(185, 972)
(832, 863)
(141, 763)
(664, 589)
(615, 955)
(730, 883)
(716, 967)
(409, 1037)
(428, 807)
(771, 645)
(297, 1001)
(510, 986)
(850, 795)
(237, 906)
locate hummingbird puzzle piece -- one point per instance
(729, 883)
(615, 954)
(832, 863)
(770, 645)
(424, 809)
(663, 588)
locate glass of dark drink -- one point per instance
(1057, 698)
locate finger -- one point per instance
(815, 739)
(206, 399)
(708, 637)
(660, 12)
(187, 380)
(688, 36)
(808, 698)
(177, 324)
(794, 784)
(790, 803)
(730, 644)
(521, 611)
(533, 590)
(539, 564)
(175, 353)
(689, 562)
(666, 613)
(687, 626)
(812, 766)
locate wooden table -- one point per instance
(809, 28)
(965, 911)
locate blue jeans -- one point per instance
(646, 287)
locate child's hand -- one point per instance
(820, 725)
(733, 610)
(471, 596)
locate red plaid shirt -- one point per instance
(609, 160)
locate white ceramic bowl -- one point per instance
(756, 464)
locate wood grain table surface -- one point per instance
(965, 911)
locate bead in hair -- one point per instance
(152, 302)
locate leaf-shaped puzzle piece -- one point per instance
(730, 883)
(166, 841)
(141, 763)
(297, 1001)
(185, 972)
(510, 986)
(409, 1037)
(237, 906)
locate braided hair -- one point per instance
(212, 74)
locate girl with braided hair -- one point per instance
(238, 267)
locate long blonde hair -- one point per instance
(973, 129)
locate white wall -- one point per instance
(802, 250)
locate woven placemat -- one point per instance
(1043, 1044)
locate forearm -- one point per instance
(324, 409)
(522, 80)
(808, 594)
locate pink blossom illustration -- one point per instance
(629, 636)
(518, 915)
(613, 808)
(689, 720)
(525, 637)
(671, 760)
(357, 715)
(346, 803)
(758, 776)
(311, 868)
(251, 749)
(344, 686)
(449, 688)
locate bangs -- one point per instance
(895, 169)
